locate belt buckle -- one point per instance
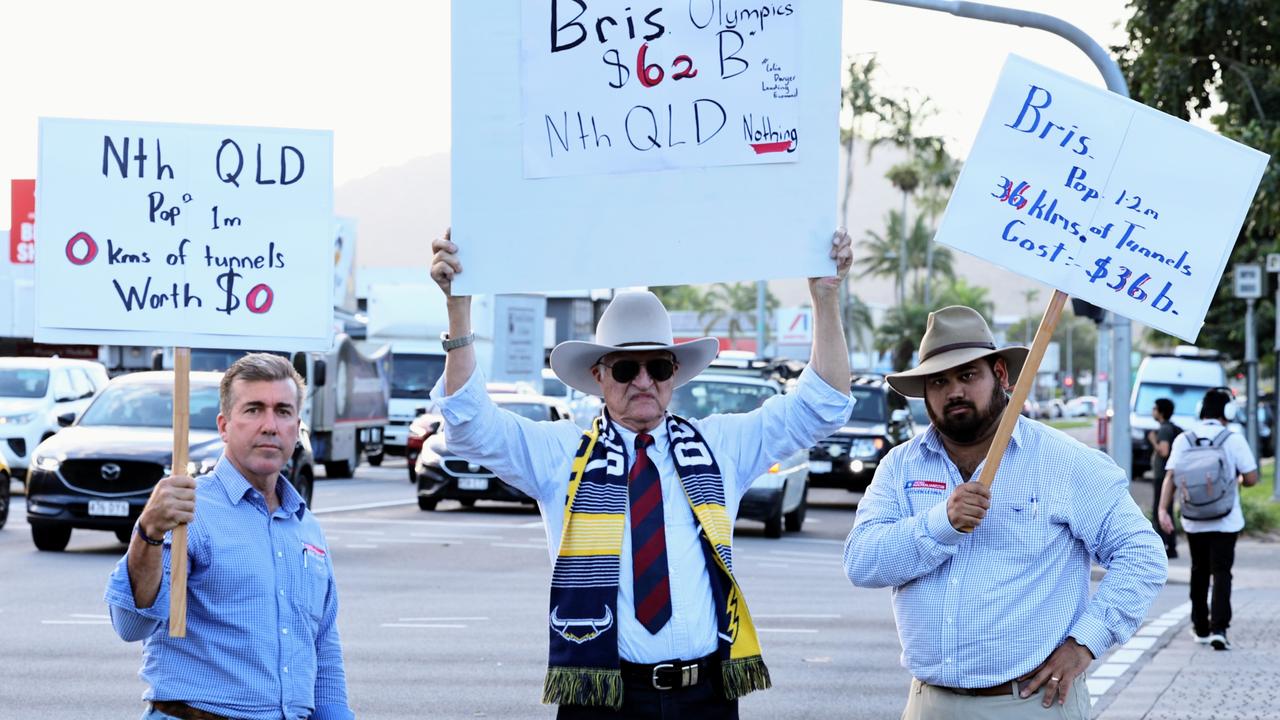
(662, 666)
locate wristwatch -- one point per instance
(137, 528)
(449, 343)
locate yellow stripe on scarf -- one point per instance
(594, 534)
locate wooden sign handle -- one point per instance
(178, 546)
(1026, 379)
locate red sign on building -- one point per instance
(22, 227)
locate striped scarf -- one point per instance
(584, 667)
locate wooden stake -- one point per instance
(178, 546)
(1026, 379)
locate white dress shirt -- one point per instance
(535, 457)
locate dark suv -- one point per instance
(880, 421)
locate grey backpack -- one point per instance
(1205, 482)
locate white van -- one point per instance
(1183, 377)
(34, 394)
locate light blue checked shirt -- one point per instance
(976, 610)
(262, 637)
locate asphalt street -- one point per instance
(443, 614)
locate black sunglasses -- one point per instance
(624, 371)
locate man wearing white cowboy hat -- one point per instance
(992, 587)
(645, 619)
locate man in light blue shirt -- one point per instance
(262, 637)
(991, 587)
(645, 620)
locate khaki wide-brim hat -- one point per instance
(954, 336)
(633, 322)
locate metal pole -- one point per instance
(1275, 407)
(761, 294)
(1120, 381)
(1071, 373)
(1251, 375)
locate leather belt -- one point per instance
(186, 712)
(670, 675)
(1006, 688)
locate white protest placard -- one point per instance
(1102, 198)
(606, 144)
(664, 90)
(184, 235)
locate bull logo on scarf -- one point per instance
(580, 630)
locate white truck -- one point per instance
(509, 329)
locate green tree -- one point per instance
(736, 303)
(904, 324)
(858, 322)
(881, 253)
(1199, 57)
(682, 297)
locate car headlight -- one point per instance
(17, 419)
(48, 463)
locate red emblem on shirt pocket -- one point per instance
(934, 485)
(318, 552)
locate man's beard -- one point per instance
(965, 431)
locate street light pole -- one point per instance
(1120, 381)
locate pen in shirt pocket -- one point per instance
(1035, 505)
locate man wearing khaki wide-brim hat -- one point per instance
(645, 618)
(992, 593)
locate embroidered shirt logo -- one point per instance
(925, 486)
(580, 630)
(318, 552)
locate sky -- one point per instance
(378, 73)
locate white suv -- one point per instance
(34, 394)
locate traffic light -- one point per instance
(1087, 310)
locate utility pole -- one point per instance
(1071, 373)
(1122, 450)
(762, 292)
(1247, 281)
(1273, 266)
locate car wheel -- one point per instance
(4, 497)
(124, 535)
(305, 486)
(375, 460)
(773, 526)
(50, 538)
(794, 520)
(413, 472)
(427, 503)
(338, 469)
(467, 502)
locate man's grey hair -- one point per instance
(259, 367)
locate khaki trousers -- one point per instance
(926, 702)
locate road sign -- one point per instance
(1248, 281)
(1273, 262)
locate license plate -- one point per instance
(468, 483)
(110, 508)
(820, 466)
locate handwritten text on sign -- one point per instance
(650, 85)
(1103, 198)
(187, 235)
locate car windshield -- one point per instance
(150, 405)
(1186, 398)
(552, 387)
(413, 376)
(533, 411)
(919, 413)
(23, 382)
(701, 398)
(868, 405)
(218, 360)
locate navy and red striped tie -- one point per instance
(648, 541)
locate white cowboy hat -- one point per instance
(954, 336)
(633, 322)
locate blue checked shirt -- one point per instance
(262, 637)
(976, 610)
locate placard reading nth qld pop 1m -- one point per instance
(600, 143)
(184, 235)
(1103, 198)
(652, 85)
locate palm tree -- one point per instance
(858, 322)
(960, 292)
(733, 301)
(900, 332)
(681, 297)
(1030, 295)
(883, 257)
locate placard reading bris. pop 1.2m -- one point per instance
(184, 235)
(1102, 197)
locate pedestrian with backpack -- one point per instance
(1206, 465)
(1161, 440)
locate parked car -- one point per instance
(584, 407)
(1053, 408)
(880, 422)
(780, 497)
(1266, 417)
(1083, 406)
(98, 473)
(919, 413)
(443, 476)
(1183, 377)
(5, 478)
(34, 394)
(422, 427)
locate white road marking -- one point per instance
(542, 547)
(423, 625)
(794, 631)
(476, 618)
(90, 617)
(468, 536)
(420, 523)
(1103, 678)
(796, 553)
(363, 506)
(75, 622)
